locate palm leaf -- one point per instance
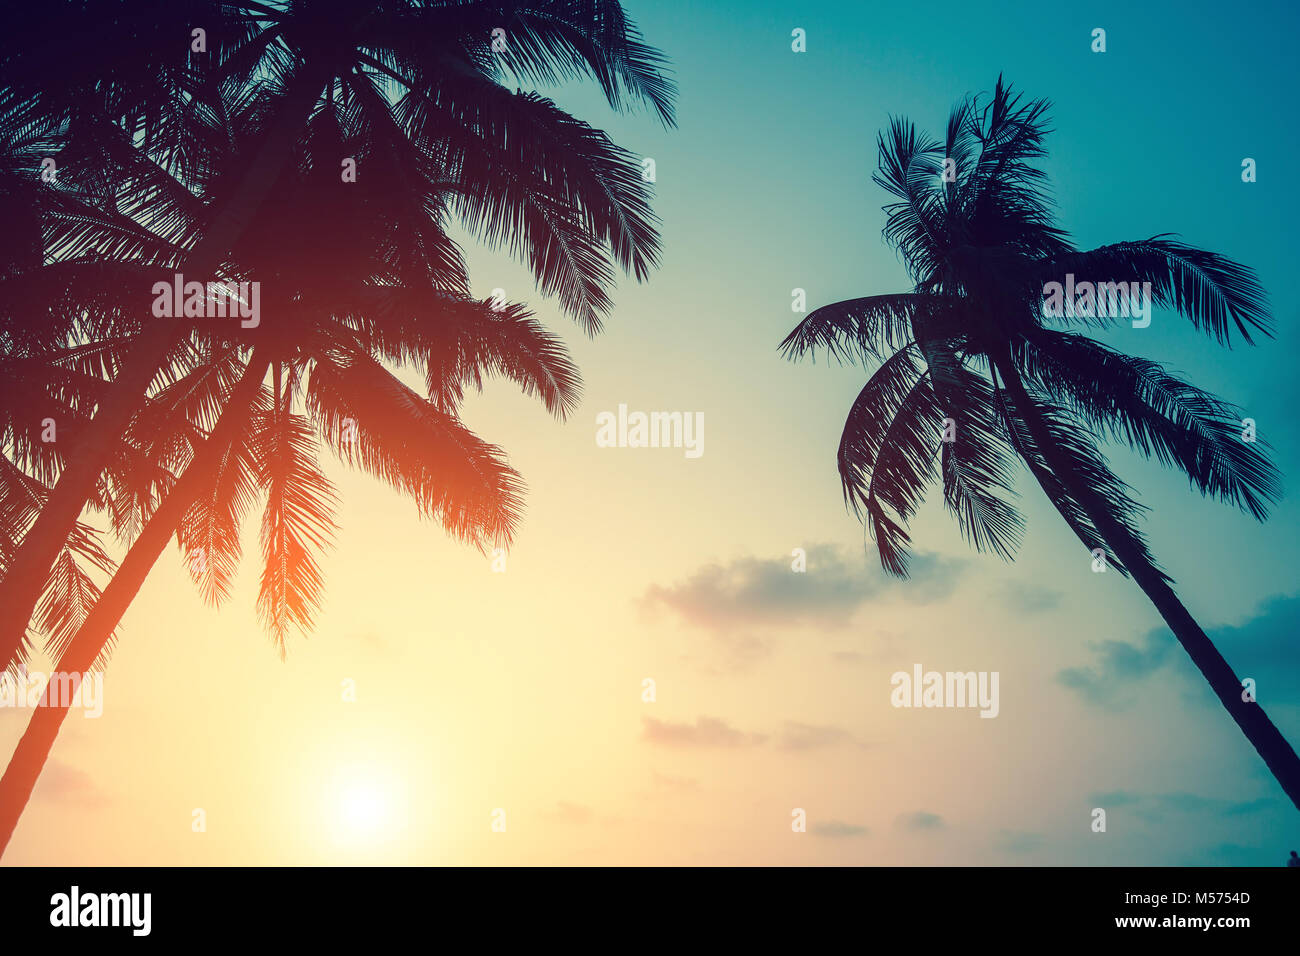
(1214, 292)
(296, 524)
(1156, 413)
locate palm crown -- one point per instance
(348, 293)
(980, 246)
(415, 92)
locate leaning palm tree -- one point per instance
(429, 80)
(975, 374)
(344, 297)
(48, 387)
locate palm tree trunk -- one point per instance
(37, 741)
(21, 586)
(1249, 715)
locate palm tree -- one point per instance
(428, 87)
(343, 297)
(973, 344)
(43, 307)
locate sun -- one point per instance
(363, 807)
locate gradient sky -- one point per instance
(523, 690)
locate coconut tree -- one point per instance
(49, 386)
(974, 375)
(321, 245)
(70, 589)
(429, 79)
(344, 303)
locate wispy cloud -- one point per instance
(705, 732)
(921, 821)
(1234, 854)
(1030, 599)
(838, 830)
(1120, 666)
(1114, 798)
(730, 654)
(1263, 648)
(762, 592)
(1157, 806)
(802, 737)
(61, 783)
(566, 812)
(1017, 842)
(666, 781)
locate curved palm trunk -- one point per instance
(1250, 717)
(38, 740)
(21, 586)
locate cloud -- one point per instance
(706, 732)
(730, 654)
(763, 592)
(1018, 841)
(1248, 806)
(1122, 664)
(1030, 599)
(372, 640)
(669, 782)
(61, 783)
(1235, 854)
(877, 646)
(838, 830)
(1156, 806)
(920, 820)
(1114, 798)
(667, 787)
(713, 732)
(1263, 648)
(566, 812)
(801, 737)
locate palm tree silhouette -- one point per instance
(43, 379)
(425, 80)
(347, 293)
(973, 344)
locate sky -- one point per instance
(518, 697)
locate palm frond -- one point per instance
(1137, 401)
(373, 420)
(887, 451)
(69, 595)
(854, 330)
(209, 532)
(1087, 466)
(1213, 291)
(909, 168)
(296, 524)
(979, 469)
